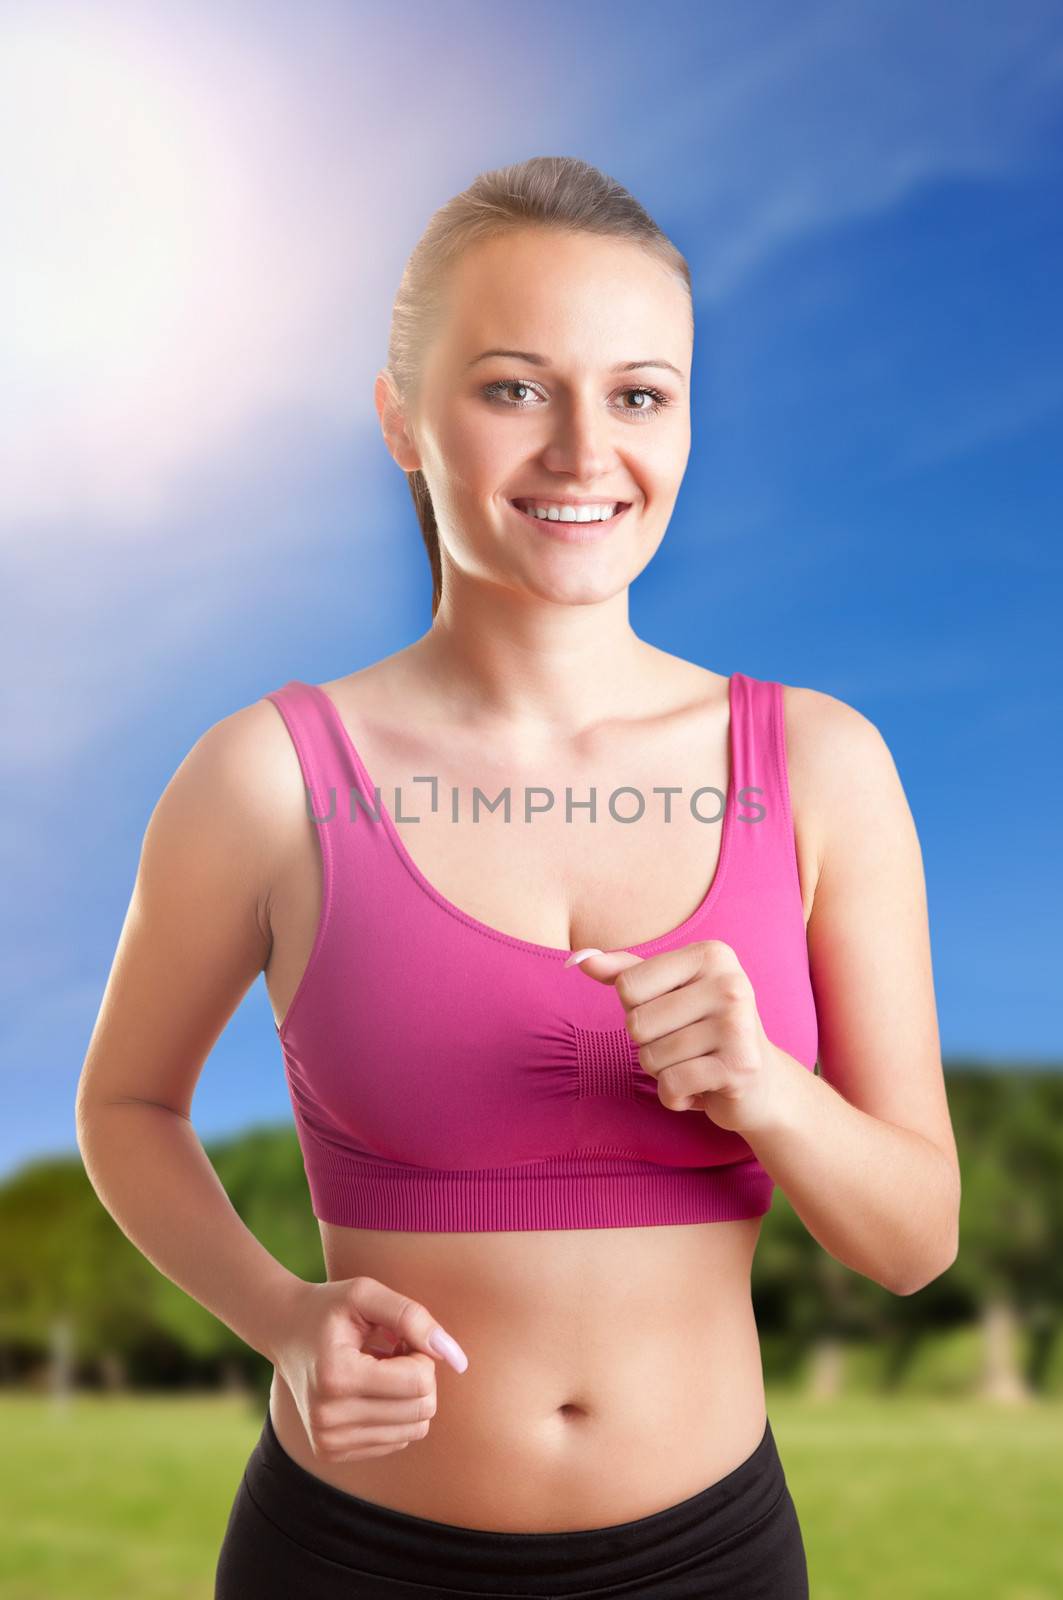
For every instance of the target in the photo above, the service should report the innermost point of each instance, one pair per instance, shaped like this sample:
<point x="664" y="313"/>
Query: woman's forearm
<point x="152" y="1174"/>
<point x="880" y="1199"/>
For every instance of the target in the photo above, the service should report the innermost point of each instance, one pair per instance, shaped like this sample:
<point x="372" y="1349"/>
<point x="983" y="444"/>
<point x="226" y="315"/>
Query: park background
<point x="207" y="210"/>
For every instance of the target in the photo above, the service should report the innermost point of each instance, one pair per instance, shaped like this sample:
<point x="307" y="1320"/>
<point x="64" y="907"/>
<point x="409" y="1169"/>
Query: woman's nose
<point x="580" y="443"/>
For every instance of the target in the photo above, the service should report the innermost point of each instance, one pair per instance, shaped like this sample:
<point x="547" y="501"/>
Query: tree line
<point x="79" y="1304"/>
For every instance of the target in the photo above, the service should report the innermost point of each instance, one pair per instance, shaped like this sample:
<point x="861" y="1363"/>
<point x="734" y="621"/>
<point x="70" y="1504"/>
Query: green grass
<point x="899" y="1499"/>
<point x="909" y="1499"/>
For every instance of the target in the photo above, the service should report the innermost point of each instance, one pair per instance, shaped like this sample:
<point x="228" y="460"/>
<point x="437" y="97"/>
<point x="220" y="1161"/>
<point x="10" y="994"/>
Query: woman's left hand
<point x="694" y="1017"/>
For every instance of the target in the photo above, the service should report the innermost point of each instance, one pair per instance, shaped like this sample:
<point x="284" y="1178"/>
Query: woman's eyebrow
<point x="542" y="361"/>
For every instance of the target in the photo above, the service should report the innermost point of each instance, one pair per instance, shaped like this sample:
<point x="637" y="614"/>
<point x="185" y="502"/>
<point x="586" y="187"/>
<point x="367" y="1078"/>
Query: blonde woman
<point x="555" y="926"/>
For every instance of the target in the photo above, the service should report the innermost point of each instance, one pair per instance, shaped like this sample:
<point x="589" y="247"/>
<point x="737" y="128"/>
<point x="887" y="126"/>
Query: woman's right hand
<point x="357" y="1359"/>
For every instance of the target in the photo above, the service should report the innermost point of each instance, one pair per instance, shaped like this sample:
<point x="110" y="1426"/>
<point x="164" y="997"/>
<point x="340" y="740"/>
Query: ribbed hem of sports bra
<point x="580" y="1191"/>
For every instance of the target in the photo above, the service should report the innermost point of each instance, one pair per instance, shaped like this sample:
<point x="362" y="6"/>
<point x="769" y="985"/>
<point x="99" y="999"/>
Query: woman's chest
<point x="440" y="1025"/>
<point x="607" y="847"/>
<point x="433" y="1032"/>
<point x="614" y="843"/>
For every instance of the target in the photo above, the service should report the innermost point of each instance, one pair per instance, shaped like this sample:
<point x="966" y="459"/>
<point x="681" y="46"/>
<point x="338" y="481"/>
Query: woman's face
<point x="559" y="422"/>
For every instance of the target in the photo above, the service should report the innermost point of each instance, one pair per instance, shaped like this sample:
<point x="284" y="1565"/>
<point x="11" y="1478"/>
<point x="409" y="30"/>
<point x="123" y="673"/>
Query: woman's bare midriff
<point x="612" y="1371"/>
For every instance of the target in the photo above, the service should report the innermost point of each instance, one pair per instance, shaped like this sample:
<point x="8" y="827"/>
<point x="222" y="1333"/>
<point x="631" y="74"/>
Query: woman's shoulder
<point x="227" y="815"/>
<point x="824" y="732"/>
<point x="231" y="757"/>
<point x="243" y="771"/>
<point x="831" y="747"/>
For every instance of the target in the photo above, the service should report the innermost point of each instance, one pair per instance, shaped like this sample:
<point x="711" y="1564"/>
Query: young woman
<point x="559" y="1166"/>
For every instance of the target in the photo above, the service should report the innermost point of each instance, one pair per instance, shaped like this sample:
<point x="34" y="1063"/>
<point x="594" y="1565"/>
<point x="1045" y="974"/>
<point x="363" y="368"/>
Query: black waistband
<point x="394" y="1544"/>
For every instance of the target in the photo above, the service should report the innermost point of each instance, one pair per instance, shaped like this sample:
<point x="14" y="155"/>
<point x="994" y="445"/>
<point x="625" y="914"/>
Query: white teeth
<point x="600" y="513"/>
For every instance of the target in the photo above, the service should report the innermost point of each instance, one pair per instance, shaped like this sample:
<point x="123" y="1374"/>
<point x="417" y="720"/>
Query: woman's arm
<point x="865" y="1154"/>
<point x="195" y="937"/>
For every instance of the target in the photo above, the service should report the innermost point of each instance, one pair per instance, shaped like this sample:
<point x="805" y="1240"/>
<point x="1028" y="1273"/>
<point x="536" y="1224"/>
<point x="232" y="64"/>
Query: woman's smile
<point x="564" y="527"/>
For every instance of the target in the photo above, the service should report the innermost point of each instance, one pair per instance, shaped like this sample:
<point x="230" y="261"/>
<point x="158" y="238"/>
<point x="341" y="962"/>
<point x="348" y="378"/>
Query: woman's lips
<point x="573" y="532"/>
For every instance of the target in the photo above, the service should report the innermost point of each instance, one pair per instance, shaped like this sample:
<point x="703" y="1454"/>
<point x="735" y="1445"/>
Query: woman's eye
<point x="657" y="400"/>
<point x="497" y="391"/>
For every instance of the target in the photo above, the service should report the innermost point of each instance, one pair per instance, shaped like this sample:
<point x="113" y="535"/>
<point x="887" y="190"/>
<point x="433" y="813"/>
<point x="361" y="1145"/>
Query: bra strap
<point x="321" y="756"/>
<point x="762" y="786"/>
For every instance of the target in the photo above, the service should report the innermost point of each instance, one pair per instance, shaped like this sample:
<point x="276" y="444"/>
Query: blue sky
<point x="207" y="212"/>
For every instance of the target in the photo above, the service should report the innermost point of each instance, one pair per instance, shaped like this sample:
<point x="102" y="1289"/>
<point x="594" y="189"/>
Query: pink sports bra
<point x="447" y="1077"/>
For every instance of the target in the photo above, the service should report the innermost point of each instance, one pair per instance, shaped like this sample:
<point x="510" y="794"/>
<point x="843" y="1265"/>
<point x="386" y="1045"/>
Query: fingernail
<point x="581" y="955"/>
<point x="448" y="1348"/>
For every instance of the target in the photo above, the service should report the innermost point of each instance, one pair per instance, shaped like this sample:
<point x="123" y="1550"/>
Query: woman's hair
<point x="552" y="191"/>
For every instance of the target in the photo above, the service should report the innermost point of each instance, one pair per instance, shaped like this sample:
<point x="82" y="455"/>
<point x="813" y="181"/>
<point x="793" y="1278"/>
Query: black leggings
<point x="292" y="1536"/>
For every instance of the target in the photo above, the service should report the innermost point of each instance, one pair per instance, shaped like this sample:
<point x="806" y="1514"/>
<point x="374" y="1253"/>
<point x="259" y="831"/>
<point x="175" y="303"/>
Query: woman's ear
<point x="393" y="424"/>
